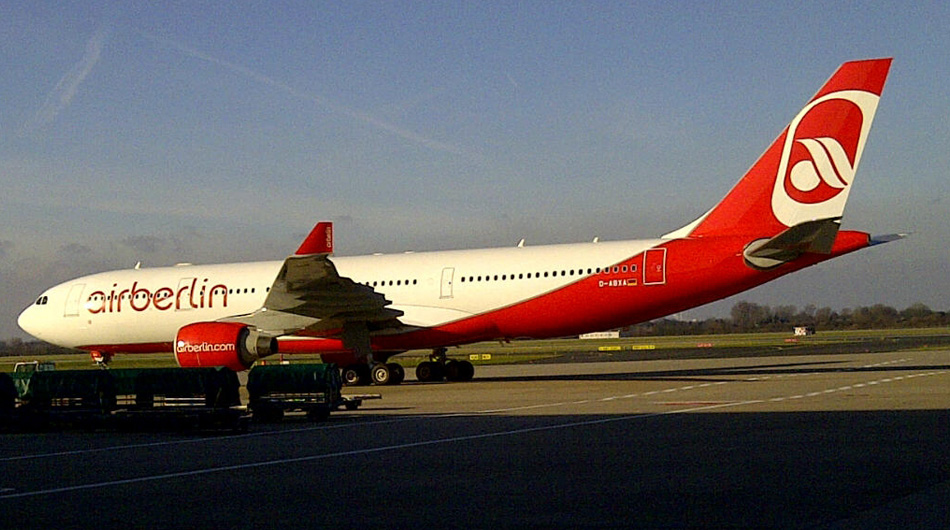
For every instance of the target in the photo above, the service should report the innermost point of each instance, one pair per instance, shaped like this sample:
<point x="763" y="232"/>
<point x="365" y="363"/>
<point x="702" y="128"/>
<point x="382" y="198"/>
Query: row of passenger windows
<point x="549" y="274"/>
<point x="390" y="283"/>
<point x="617" y="269"/>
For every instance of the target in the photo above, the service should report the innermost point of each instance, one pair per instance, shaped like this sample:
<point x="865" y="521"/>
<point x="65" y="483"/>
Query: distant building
<point x="601" y="335"/>
<point x="801" y="331"/>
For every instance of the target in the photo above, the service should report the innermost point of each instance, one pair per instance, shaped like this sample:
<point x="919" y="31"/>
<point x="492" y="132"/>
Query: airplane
<point x="782" y="216"/>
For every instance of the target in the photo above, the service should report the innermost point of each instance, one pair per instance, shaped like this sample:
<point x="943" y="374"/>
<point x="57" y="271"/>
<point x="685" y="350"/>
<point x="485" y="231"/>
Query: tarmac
<point x="852" y="440"/>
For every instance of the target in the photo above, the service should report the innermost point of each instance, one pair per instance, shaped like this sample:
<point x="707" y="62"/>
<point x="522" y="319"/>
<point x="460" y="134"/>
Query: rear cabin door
<point x="654" y="267"/>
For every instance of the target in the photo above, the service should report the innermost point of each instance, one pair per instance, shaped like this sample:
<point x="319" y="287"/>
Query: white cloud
<point x="58" y="99"/>
<point x="355" y="114"/>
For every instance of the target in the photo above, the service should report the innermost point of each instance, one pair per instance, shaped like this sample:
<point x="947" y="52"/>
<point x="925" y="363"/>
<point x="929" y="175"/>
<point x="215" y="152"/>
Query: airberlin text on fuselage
<point x="188" y="296"/>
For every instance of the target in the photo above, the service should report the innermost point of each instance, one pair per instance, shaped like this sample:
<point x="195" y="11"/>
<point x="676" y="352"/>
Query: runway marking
<point x="690" y="403"/>
<point x="361" y="452"/>
<point x="76" y="452"/>
<point x="885" y="363"/>
<point x="481" y="412"/>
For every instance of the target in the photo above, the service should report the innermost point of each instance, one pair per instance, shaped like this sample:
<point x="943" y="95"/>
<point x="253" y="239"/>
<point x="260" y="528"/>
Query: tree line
<point x="749" y="317"/>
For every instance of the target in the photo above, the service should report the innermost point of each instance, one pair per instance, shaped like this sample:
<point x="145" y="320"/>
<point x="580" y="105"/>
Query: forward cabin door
<point x="184" y="296"/>
<point x="73" y="300"/>
<point x="447" y="274"/>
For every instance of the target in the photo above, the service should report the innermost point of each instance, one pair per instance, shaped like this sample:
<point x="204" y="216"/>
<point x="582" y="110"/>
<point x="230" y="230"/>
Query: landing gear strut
<point x="439" y="367"/>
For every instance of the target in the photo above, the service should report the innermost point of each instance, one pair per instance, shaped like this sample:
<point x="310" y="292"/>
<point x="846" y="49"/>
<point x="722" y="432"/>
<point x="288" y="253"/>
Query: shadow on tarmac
<point x="724" y="469"/>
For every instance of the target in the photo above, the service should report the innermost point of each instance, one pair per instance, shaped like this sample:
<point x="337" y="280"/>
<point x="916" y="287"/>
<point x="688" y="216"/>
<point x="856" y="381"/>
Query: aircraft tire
<point x="399" y="374"/>
<point x="428" y="371"/>
<point x="356" y="375"/>
<point x="466" y="371"/>
<point x="382" y="374"/>
<point x="451" y="370"/>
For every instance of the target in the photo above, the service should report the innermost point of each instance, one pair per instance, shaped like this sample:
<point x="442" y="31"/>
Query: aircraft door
<point x="447" y="274"/>
<point x="654" y="267"/>
<point x="184" y="296"/>
<point x="73" y="300"/>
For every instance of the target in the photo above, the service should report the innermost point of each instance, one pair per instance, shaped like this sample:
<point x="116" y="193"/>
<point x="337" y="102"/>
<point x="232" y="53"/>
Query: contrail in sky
<point x="315" y="98"/>
<point x="58" y="99"/>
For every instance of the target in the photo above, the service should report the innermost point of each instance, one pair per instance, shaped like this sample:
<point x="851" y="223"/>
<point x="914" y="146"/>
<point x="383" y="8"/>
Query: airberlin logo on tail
<point x="820" y="156"/>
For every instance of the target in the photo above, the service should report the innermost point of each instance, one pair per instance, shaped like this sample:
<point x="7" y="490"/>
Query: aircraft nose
<point x="28" y="321"/>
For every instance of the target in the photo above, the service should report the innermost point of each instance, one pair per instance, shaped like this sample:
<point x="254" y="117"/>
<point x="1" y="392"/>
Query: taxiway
<point x="839" y="441"/>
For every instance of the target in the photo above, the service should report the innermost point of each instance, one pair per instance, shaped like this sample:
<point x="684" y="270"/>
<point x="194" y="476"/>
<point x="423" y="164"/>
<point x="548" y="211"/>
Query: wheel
<point x="466" y="371"/>
<point x="429" y="371"/>
<point x="356" y="375"/>
<point x="451" y="370"/>
<point x="398" y="373"/>
<point x="382" y="375"/>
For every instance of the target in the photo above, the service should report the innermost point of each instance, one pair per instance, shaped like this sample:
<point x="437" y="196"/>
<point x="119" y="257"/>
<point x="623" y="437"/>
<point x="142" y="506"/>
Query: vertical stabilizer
<point x="806" y="174"/>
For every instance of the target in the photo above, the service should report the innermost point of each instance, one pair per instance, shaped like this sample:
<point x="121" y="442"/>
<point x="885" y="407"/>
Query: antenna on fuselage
<point x="138" y="265"/>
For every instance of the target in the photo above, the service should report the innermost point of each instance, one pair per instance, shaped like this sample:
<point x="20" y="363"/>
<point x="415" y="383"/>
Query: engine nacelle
<point x="229" y="344"/>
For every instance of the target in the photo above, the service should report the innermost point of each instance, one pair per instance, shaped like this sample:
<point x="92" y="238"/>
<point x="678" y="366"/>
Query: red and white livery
<point x="782" y="216"/>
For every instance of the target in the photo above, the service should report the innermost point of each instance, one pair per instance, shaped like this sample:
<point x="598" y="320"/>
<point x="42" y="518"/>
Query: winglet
<point x="320" y="240"/>
<point x="880" y="240"/>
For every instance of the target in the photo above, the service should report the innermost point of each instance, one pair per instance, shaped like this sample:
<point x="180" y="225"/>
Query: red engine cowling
<point x="229" y="344"/>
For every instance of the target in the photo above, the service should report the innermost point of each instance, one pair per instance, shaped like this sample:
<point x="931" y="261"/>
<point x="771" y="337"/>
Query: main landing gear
<point x="377" y="374"/>
<point x="438" y="367"/>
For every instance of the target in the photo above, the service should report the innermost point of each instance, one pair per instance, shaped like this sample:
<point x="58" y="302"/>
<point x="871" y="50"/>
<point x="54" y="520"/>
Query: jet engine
<point x="229" y="344"/>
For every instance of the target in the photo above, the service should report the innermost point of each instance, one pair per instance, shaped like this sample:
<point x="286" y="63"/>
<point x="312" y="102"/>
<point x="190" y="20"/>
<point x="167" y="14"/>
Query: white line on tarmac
<point x="360" y="452"/>
<point x="201" y="440"/>
<point x="453" y="414"/>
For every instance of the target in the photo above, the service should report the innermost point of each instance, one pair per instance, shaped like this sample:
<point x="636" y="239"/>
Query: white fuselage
<point x="150" y="305"/>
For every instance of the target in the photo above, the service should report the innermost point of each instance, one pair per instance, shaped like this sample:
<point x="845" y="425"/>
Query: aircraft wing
<point x="310" y="297"/>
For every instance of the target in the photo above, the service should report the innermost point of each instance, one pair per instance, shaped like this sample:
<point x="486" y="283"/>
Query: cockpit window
<point x="43" y="300"/>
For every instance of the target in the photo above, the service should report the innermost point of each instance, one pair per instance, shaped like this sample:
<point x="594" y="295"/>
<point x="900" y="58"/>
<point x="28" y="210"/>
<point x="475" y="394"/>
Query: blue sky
<point x="214" y="132"/>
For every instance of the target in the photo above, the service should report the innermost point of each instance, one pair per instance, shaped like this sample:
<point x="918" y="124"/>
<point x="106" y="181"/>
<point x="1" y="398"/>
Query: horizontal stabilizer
<point x="811" y="236"/>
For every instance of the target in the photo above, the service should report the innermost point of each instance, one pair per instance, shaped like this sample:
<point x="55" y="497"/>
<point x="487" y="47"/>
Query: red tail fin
<point x="807" y="172"/>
